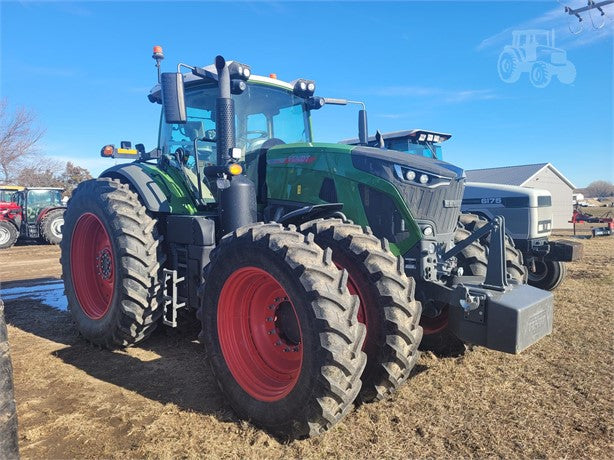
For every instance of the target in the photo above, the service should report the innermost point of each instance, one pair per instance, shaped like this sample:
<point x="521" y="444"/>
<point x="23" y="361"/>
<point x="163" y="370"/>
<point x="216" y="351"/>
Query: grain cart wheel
<point x="51" y="226"/>
<point x="516" y="270"/>
<point x="547" y="274"/>
<point x="387" y="305"/>
<point x="111" y="255"/>
<point x="8" y="412"/>
<point x="281" y="330"/>
<point x="8" y="234"/>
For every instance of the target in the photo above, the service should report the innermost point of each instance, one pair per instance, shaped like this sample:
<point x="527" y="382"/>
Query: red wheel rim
<point x="92" y="266"/>
<point x="434" y="324"/>
<point x="259" y="334"/>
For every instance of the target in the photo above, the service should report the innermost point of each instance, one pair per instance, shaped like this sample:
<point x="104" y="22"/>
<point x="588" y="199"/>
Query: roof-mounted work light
<point x="239" y="71"/>
<point x="304" y="88"/>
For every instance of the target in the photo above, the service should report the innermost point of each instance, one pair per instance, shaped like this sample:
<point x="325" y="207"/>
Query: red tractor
<point x="36" y="212"/>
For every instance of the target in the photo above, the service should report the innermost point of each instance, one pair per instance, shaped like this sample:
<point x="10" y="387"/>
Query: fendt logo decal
<point x="292" y="159"/>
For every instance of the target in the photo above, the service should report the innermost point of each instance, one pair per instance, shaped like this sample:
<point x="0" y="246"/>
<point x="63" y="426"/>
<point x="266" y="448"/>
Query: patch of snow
<point x="50" y="293"/>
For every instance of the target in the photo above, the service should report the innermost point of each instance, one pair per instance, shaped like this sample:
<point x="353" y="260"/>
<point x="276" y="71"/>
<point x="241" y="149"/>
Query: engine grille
<point x="441" y="205"/>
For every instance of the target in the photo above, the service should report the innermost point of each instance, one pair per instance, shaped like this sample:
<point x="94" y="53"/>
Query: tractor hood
<point x="362" y="154"/>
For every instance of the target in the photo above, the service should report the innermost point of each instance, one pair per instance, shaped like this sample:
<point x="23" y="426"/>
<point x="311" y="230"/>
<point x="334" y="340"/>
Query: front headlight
<point x="420" y="178"/>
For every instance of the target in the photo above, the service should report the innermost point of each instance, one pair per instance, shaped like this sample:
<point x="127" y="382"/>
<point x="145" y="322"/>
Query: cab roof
<point x="412" y="134"/>
<point x="189" y="79"/>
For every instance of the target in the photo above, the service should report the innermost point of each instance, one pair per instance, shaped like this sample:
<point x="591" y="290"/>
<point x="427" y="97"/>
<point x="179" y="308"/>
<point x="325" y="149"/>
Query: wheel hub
<point x="286" y="325"/>
<point x="103" y="264"/>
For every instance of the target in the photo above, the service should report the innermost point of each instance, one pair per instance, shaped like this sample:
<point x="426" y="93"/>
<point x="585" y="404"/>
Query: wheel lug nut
<point x="269" y="319"/>
<point x="278" y="343"/>
<point x="295" y="349"/>
<point x="286" y="350"/>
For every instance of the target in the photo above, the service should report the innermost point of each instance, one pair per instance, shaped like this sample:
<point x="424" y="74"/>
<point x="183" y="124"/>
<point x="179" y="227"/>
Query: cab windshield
<point x="423" y="149"/>
<point x="41" y="199"/>
<point x="262" y="113"/>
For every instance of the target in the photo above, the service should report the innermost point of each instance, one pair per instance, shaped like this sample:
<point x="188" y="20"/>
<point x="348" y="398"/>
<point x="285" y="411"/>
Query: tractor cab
<point x="35" y="212"/>
<point x="36" y="203"/>
<point x="268" y="112"/>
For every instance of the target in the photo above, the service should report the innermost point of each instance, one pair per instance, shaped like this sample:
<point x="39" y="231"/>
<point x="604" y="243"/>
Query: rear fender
<point x="149" y="191"/>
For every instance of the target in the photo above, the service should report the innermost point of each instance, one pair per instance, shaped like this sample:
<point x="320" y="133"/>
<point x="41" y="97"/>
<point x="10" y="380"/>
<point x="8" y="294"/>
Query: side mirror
<point x="363" y="130"/>
<point x="173" y="100"/>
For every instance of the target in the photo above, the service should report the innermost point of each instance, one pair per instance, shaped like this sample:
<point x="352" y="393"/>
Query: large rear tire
<point x="548" y="274"/>
<point x="387" y="305"/>
<point x="281" y="330"/>
<point x="111" y="256"/>
<point x="8" y="234"/>
<point x="51" y="226"/>
<point x="8" y="413"/>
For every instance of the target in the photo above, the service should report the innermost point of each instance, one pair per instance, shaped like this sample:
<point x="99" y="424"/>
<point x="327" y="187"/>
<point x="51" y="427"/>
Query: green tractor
<point x="240" y="216"/>
<point x="287" y="338"/>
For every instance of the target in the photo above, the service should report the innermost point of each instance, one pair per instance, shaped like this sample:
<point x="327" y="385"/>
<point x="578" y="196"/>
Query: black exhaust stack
<point x="237" y="196"/>
<point x="225" y="114"/>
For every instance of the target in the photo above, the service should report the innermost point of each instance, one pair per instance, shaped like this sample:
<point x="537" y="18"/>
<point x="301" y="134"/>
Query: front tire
<point x="387" y="305"/>
<point x="51" y="226"/>
<point x="8" y="234"/>
<point x="548" y="274"/>
<point x="281" y="331"/>
<point x="111" y="256"/>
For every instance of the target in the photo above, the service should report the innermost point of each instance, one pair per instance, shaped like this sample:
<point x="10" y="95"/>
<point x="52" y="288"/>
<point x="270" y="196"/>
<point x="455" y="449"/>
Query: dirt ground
<point x="157" y="400"/>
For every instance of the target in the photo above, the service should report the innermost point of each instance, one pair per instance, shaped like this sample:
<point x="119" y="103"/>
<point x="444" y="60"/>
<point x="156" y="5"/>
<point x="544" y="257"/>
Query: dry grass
<point x="554" y="400"/>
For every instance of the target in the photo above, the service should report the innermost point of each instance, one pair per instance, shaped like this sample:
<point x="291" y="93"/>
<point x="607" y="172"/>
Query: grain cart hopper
<point x="288" y="341"/>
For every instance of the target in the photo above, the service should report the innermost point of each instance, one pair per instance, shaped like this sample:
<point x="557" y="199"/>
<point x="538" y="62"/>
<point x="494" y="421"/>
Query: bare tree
<point x="73" y="176"/>
<point x="18" y="139"/>
<point x="600" y="189"/>
<point x="45" y="172"/>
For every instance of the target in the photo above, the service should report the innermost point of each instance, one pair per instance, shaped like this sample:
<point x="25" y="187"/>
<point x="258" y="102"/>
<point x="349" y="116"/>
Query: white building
<point x="542" y="175"/>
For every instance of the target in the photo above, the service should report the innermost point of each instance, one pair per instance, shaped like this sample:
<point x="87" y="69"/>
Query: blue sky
<point x="85" y="68"/>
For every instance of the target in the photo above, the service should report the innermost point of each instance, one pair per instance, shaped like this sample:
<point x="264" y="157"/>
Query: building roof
<point x="513" y="175"/>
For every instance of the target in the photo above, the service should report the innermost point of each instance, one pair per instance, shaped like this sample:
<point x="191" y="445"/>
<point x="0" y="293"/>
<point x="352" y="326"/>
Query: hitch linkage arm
<point x="496" y="273"/>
